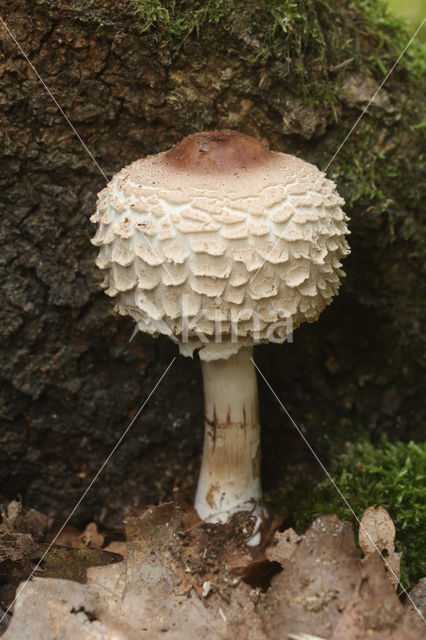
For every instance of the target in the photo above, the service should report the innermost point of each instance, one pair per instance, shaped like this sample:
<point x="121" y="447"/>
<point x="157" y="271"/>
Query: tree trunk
<point x="297" y="79"/>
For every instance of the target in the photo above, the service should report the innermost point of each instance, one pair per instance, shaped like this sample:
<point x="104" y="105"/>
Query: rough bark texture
<point x="70" y="380"/>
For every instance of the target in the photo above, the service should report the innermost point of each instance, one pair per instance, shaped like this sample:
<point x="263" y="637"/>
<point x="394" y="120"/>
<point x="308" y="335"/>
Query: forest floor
<point x="170" y="575"/>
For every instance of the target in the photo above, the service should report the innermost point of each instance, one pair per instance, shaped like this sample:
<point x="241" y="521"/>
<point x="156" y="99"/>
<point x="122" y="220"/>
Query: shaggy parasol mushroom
<point x="221" y="244"/>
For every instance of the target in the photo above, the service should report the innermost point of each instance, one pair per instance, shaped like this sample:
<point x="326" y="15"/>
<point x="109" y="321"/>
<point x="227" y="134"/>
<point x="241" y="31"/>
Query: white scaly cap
<point x="220" y="232"/>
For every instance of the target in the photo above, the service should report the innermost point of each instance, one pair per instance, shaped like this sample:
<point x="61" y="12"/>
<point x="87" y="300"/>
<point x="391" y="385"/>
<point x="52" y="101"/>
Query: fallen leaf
<point x="377" y="535"/>
<point x="28" y="521"/>
<point x="72" y="537"/>
<point x="303" y="636"/>
<point x="326" y="590"/>
<point x="13" y="510"/>
<point x="91" y="536"/>
<point x="374" y="611"/>
<point x="117" y="546"/>
<point x="15" y="546"/>
<point x="282" y="546"/>
<point x="417" y="599"/>
<point x="67" y="537"/>
<point x="176" y="581"/>
<point x="69" y="563"/>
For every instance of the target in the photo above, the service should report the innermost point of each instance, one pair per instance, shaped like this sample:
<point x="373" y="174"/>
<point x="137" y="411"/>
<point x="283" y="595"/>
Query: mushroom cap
<point x="220" y="243"/>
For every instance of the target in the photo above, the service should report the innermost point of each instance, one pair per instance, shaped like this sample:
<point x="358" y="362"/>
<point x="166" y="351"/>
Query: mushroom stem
<point x="230" y="471"/>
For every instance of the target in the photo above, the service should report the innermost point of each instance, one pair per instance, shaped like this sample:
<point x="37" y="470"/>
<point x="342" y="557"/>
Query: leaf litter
<point x="178" y="578"/>
<point x="377" y="533"/>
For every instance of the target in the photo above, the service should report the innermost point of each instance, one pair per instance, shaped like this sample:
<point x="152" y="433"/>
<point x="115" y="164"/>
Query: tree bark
<point x="70" y="378"/>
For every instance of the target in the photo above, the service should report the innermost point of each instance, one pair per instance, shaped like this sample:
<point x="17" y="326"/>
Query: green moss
<point x="177" y="20"/>
<point x="391" y="475"/>
<point x="411" y="12"/>
<point x="298" y="48"/>
<point x="308" y="37"/>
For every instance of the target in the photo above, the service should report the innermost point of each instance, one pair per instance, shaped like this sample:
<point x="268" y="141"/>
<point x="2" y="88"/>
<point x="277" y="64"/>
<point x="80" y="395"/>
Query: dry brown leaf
<point x="91" y="536"/>
<point x="32" y="522"/>
<point x="67" y="537"/>
<point x="71" y="563"/>
<point x="72" y="537"/>
<point x="176" y="580"/>
<point x="325" y="590"/>
<point x="417" y="598"/>
<point x="117" y="546"/>
<point x="13" y="510"/>
<point x="169" y="562"/>
<point x="16" y="546"/>
<point x="303" y="636"/>
<point x="374" y="611"/>
<point x="316" y="584"/>
<point x="282" y="546"/>
<point x="377" y="534"/>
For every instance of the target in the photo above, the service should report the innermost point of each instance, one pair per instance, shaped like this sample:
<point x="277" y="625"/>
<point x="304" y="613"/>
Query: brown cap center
<point x="217" y="152"/>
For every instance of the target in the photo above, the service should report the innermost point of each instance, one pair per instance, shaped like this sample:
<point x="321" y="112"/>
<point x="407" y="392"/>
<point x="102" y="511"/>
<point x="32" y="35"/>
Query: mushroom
<point x="221" y="244"/>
